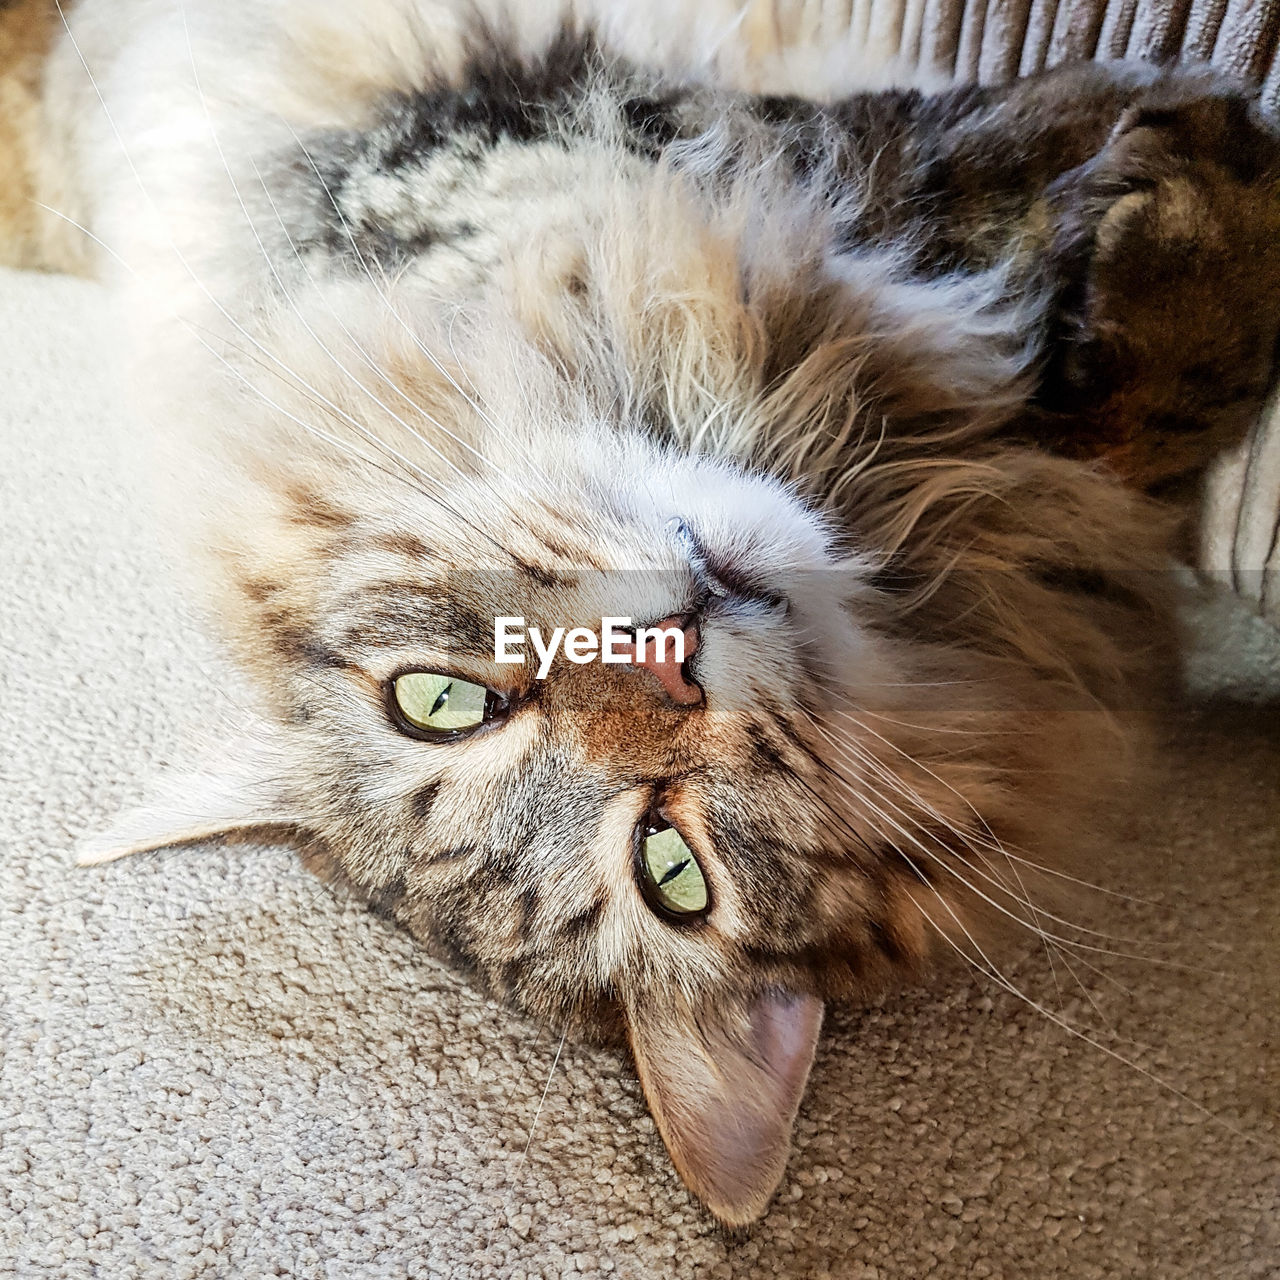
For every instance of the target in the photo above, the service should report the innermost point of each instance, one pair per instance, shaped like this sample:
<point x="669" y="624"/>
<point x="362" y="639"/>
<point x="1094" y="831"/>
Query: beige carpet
<point x="212" y="1068"/>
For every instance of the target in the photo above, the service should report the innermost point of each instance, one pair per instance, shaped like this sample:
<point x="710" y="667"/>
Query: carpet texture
<point x="214" y="1068"/>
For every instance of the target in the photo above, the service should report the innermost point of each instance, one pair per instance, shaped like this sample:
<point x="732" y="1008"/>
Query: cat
<point x="881" y="403"/>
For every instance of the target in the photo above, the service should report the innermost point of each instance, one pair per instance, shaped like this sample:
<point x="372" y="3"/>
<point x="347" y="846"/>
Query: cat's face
<point x="697" y="853"/>
<point x="660" y="845"/>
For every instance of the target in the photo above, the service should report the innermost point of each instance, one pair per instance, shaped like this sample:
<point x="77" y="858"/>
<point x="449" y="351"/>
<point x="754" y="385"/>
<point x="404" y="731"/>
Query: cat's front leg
<point x="1168" y="256"/>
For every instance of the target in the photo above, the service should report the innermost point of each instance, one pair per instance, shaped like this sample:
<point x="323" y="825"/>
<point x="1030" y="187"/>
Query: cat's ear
<point x="724" y="1088"/>
<point x="244" y="788"/>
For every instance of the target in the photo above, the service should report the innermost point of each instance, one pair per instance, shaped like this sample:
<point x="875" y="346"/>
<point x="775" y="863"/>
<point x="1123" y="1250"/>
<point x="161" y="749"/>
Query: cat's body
<point x="476" y="319"/>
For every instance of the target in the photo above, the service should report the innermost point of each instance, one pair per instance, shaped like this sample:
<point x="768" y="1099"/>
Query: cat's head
<point x="700" y="853"/>
<point x="671" y="849"/>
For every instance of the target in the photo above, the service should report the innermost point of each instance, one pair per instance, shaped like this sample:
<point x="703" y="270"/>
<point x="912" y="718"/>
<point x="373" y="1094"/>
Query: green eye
<point x="439" y="704"/>
<point x="670" y="875"/>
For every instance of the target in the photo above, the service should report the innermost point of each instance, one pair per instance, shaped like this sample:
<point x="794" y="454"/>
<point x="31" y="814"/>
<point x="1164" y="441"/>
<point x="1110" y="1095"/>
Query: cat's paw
<point x="1168" y="249"/>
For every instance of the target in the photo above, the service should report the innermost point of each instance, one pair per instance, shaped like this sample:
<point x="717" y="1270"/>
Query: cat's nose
<point x="663" y="649"/>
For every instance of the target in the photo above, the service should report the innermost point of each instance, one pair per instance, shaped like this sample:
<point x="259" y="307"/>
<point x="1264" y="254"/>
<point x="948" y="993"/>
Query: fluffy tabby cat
<point x="470" y="310"/>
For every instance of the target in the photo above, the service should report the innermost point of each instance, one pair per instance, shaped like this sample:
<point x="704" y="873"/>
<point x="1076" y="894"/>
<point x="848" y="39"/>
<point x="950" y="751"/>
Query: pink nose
<point x="661" y="655"/>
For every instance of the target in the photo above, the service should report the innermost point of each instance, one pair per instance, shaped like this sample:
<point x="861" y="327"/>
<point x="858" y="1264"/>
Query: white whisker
<point x="988" y="969"/>
<point x="533" y="1124"/>
<point x="862" y="798"/>
<point x="102" y="244"/>
<point x="994" y="844"/>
